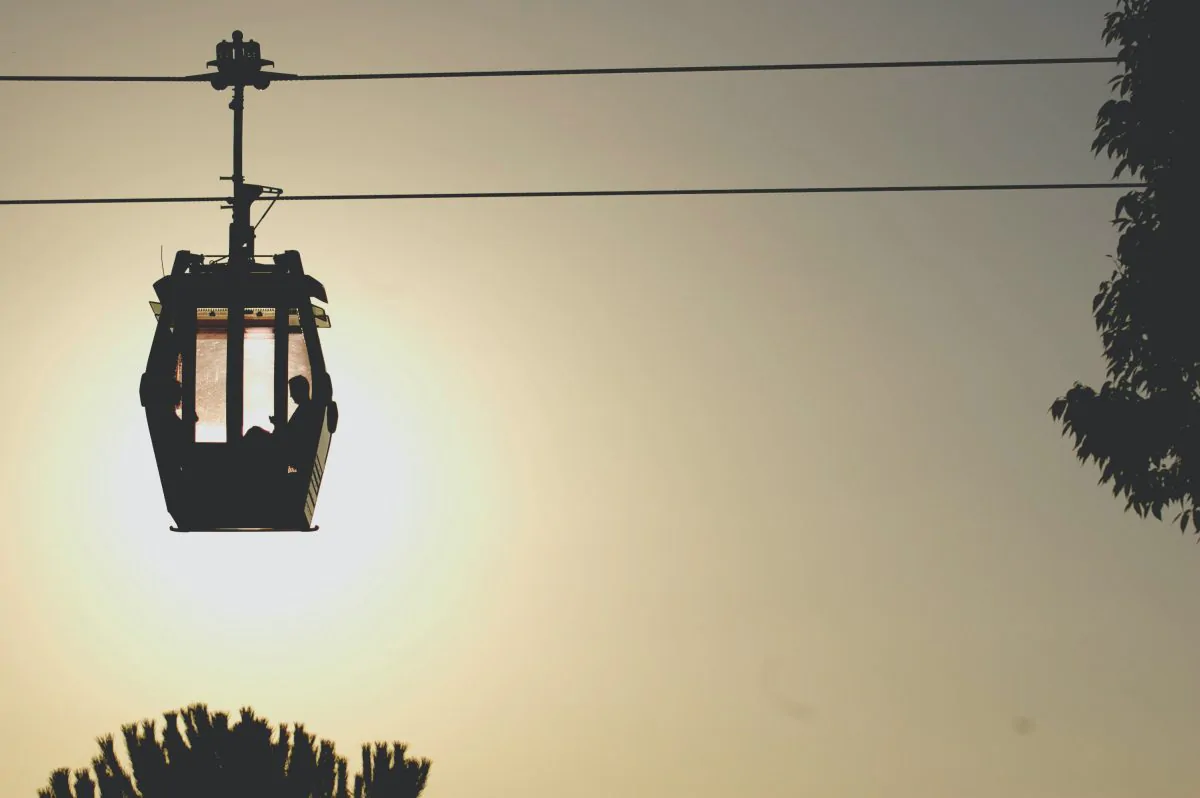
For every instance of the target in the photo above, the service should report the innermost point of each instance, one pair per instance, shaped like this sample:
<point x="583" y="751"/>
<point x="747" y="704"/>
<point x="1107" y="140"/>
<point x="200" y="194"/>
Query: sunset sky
<point x="618" y="481"/>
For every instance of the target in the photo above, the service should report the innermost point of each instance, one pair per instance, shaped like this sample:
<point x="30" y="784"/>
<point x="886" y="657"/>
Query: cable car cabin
<point x="240" y="406"/>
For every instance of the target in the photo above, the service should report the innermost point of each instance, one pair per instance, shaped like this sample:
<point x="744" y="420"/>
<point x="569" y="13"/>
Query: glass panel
<point x="258" y="370"/>
<point x="298" y="364"/>
<point x="179" y="381"/>
<point x="211" y="348"/>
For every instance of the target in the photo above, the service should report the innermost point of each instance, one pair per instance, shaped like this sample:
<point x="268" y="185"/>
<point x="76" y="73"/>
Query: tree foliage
<point x="247" y="760"/>
<point x="1142" y="427"/>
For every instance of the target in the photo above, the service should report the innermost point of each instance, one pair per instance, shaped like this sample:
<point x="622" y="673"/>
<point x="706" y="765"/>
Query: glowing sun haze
<point x="698" y="496"/>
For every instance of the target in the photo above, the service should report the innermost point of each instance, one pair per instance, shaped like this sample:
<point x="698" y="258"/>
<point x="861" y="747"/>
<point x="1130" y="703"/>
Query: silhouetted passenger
<point x="257" y="437"/>
<point x="299" y="432"/>
<point x="305" y="423"/>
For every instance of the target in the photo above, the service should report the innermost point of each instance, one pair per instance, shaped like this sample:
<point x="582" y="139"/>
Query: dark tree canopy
<point x="1142" y="427"/>
<point x="210" y="758"/>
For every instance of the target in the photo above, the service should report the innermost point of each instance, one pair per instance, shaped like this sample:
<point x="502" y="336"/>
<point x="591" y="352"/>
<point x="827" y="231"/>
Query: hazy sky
<point x="615" y="478"/>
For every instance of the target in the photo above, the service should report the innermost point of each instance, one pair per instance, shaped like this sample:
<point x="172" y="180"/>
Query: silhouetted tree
<point x="1142" y="427"/>
<point x="211" y="759"/>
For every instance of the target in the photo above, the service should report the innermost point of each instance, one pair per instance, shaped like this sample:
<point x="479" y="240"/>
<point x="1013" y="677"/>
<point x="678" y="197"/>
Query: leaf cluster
<point x="1142" y="427"/>
<point x="209" y="757"/>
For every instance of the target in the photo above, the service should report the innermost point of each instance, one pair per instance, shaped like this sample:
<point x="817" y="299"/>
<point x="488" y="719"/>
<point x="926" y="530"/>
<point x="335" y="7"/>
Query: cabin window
<point x="298" y="364"/>
<point x="258" y="383"/>
<point x="179" y="382"/>
<point x="211" y="369"/>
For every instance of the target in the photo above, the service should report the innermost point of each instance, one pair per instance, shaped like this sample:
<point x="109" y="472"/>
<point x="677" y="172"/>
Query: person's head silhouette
<point x="299" y="389"/>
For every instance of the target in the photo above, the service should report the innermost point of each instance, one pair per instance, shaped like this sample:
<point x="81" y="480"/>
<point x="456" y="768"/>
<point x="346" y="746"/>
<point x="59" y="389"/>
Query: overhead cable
<point x="613" y="193"/>
<point x="516" y="73"/>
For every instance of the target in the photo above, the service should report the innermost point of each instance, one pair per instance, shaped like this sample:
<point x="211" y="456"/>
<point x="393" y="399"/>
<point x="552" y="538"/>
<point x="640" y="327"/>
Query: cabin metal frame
<point x="237" y="484"/>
